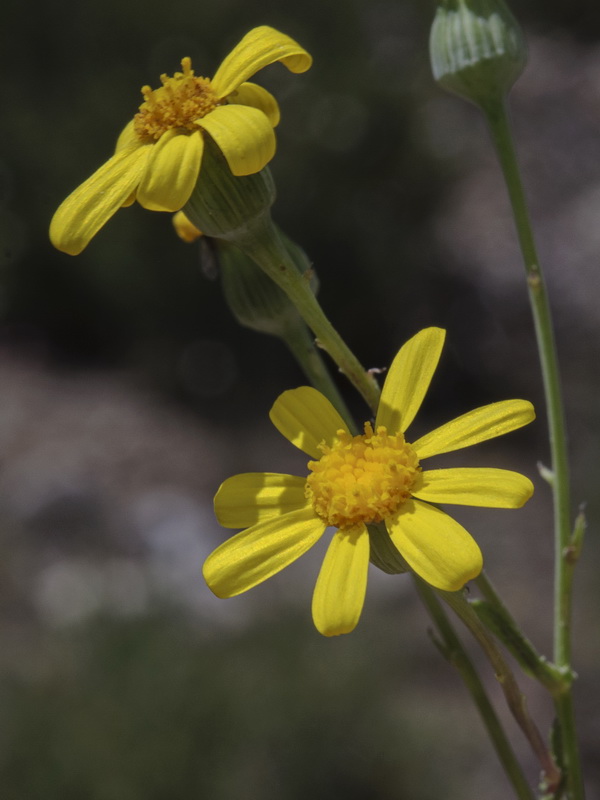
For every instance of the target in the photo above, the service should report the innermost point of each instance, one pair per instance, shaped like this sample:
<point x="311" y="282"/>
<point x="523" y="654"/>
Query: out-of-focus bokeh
<point x="127" y="394"/>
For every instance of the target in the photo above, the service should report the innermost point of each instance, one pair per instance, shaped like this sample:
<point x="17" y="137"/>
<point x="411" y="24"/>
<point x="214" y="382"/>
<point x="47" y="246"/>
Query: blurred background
<point x="128" y="393"/>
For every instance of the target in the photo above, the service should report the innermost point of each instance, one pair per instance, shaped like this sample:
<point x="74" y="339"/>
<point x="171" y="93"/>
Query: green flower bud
<point x="224" y="206"/>
<point x="477" y="49"/>
<point x="255" y="301"/>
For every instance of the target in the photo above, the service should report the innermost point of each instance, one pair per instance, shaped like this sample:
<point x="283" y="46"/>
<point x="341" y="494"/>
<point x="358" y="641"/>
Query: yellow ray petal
<point x="250" y="94"/>
<point x="172" y="171"/>
<point x="252" y="497"/>
<point x="243" y="134"/>
<point x="127" y="138"/>
<point x="252" y="556"/>
<point x="475" y="426"/>
<point x="92" y="204"/>
<point x="306" y="418"/>
<point x="435" y="546"/>
<point x="492" y="488"/>
<point x="339" y="595"/>
<point x="259" y="48"/>
<point x="409" y="378"/>
<point x="129" y="201"/>
<point x="185" y="228"/>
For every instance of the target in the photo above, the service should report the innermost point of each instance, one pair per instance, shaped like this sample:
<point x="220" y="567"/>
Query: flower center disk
<point x="362" y="479"/>
<point x="178" y="103"/>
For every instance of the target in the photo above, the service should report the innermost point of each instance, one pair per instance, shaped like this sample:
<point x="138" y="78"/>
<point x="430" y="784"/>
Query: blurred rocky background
<point x="127" y="394"/>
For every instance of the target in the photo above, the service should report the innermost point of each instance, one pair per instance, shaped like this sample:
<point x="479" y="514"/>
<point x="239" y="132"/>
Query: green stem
<point x="500" y="127"/>
<point x="498" y="619"/>
<point x="498" y="120"/>
<point x="514" y="697"/>
<point x="301" y="345"/>
<point x="265" y="247"/>
<point x="454" y="652"/>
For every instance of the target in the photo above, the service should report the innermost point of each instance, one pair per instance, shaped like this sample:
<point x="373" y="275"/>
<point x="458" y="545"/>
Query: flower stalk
<point x="551" y="774"/>
<point x="497" y="618"/>
<point x="258" y="303"/>
<point x="266" y="248"/>
<point x="478" y="51"/>
<point x="496" y="114"/>
<point x="238" y="210"/>
<point x="302" y="346"/>
<point x="453" y="651"/>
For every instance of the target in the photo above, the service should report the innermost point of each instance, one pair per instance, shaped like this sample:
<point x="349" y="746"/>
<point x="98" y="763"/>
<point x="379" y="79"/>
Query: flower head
<point x="354" y="481"/>
<point x="477" y="49"/>
<point x="159" y="153"/>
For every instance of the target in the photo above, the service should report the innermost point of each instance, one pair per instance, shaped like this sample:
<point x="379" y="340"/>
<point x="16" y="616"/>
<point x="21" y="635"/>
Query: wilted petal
<point x="92" y="204"/>
<point x="250" y="94"/>
<point x="127" y="138"/>
<point x="243" y="134"/>
<point x="172" y="171"/>
<point x="260" y="47"/>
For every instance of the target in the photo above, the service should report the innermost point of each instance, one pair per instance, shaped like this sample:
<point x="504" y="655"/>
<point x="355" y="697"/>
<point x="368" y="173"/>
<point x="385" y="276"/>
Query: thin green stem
<point x="495" y="615"/>
<point x="454" y="652"/>
<point x="514" y="697"/>
<point x="498" y="120"/>
<point x="265" y="247"/>
<point x="499" y="124"/>
<point x="301" y="344"/>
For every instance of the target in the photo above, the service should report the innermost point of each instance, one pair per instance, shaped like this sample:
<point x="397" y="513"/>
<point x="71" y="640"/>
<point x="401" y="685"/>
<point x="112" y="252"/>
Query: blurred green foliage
<point x="156" y="708"/>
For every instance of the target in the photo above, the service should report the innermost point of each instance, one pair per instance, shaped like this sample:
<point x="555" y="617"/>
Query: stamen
<point x="179" y="103"/>
<point x="362" y="479"/>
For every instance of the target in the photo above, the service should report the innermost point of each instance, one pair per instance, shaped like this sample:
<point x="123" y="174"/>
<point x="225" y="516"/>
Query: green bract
<point x="254" y="299"/>
<point x="226" y="206"/>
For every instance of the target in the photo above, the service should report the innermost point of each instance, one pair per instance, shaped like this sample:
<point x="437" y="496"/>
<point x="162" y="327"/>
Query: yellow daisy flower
<point x="159" y="153"/>
<point x="357" y="480"/>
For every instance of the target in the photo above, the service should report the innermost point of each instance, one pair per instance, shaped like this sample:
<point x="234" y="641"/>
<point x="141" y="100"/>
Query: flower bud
<point x="477" y="49"/>
<point x="255" y="301"/>
<point x="225" y="206"/>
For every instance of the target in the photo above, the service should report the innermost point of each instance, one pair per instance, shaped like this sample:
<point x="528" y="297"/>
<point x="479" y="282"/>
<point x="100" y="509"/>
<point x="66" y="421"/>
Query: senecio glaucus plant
<point x="200" y="147"/>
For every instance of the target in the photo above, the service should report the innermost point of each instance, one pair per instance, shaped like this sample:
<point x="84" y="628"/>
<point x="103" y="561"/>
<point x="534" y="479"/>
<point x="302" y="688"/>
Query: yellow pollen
<point x="178" y="103"/>
<point x="361" y="479"/>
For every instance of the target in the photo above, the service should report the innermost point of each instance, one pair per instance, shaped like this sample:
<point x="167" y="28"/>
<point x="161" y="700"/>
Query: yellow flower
<point x="357" y="480"/>
<point x="159" y="153"/>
